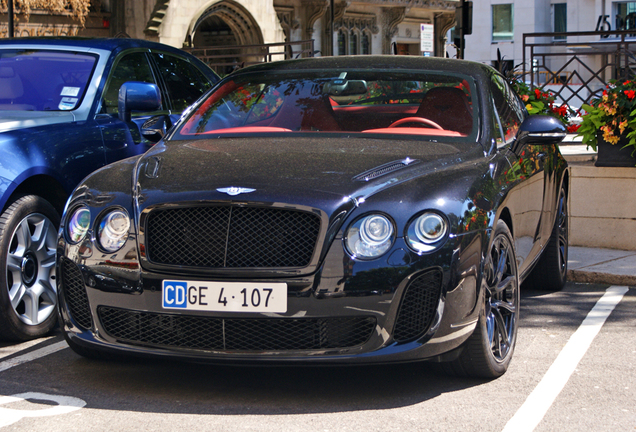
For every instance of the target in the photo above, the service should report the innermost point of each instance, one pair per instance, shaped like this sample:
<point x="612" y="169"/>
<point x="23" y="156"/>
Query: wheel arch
<point x="44" y="186"/>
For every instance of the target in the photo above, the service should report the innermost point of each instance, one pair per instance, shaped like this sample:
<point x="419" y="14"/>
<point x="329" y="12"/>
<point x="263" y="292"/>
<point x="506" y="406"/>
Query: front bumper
<point x="403" y="307"/>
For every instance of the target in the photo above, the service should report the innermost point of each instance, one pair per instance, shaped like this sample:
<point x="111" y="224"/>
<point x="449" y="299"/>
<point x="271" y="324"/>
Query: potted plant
<point x="609" y="124"/>
<point x="541" y="102"/>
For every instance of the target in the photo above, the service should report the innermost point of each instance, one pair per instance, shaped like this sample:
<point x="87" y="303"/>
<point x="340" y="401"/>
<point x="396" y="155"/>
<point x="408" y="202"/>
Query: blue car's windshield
<point x="43" y="80"/>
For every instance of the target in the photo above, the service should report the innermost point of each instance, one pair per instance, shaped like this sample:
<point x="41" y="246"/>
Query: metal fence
<point x="224" y="59"/>
<point x="577" y="66"/>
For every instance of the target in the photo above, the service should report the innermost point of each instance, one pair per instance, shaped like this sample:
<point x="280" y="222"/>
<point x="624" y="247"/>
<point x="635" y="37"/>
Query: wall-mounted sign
<point x="427" y="38"/>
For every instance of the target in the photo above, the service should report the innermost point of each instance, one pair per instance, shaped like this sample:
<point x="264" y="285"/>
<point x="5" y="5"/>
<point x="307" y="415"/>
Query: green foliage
<point x="613" y="114"/>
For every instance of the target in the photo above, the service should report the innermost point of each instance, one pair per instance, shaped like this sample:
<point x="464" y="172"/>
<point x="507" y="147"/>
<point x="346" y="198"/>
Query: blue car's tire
<point x="28" y="293"/>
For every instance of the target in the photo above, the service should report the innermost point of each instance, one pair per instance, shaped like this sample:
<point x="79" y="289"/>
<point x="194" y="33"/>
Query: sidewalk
<point x="604" y="266"/>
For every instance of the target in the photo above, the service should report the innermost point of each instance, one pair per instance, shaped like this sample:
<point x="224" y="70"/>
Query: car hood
<point x="316" y="172"/>
<point x="12" y="120"/>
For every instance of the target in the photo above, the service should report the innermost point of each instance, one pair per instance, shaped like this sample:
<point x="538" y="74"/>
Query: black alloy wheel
<point x="487" y="353"/>
<point x="550" y="273"/>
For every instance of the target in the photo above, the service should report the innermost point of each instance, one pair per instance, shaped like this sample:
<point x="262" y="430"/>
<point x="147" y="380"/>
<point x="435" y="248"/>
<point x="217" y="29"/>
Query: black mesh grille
<point x="257" y="334"/>
<point x="232" y="237"/>
<point x="419" y="303"/>
<point x="75" y="294"/>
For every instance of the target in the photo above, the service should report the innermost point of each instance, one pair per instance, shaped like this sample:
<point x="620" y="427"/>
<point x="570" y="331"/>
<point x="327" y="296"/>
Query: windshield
<point x="41" y="80"/>
<point x="429" y="104"/>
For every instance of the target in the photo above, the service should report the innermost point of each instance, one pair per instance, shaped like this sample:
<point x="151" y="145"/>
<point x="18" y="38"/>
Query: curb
<point x="600" y="278"/>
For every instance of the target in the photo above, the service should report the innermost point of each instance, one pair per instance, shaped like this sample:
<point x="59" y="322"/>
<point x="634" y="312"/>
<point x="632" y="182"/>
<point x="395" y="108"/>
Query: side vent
<point x="75" y="294"/>
<point x="384" y="169"/>
<point x="418" y="307"/>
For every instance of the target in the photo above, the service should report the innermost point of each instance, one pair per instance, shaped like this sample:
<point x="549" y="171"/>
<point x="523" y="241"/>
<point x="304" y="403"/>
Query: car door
<point x="179" y="81"/>
<point x="183" y="82"/>
<point x="123" y="140"/>
<point x="526" y="171"/>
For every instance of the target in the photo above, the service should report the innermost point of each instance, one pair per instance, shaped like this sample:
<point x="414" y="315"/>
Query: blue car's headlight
<point x="78" y="224"/>
<point x="370" y="236"/>
<point x="426" y="232"/>
<point x="112" y="231"/>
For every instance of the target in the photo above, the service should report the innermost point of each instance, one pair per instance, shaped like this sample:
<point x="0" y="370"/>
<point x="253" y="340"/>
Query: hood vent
<point x="384" y="169"/>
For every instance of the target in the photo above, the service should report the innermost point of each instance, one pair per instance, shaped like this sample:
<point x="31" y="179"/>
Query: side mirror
<point x="156" y="127"/>
<point x="137" y="96"/>
<point x="541" y="130"/>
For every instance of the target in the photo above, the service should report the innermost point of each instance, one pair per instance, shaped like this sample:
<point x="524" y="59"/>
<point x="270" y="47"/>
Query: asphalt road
<point x="569" y="373"/>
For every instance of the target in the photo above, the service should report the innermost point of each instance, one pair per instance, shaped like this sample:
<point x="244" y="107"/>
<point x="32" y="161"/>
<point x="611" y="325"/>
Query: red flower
<point x="573" y="128"/>
<point x="538" y="93"/>
<point x="631" y="94"/>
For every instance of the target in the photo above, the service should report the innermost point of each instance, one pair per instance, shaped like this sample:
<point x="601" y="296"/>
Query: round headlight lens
<point x="113" y="230"/>
<point x="426" y="230"/>
<point x="370" y="236"/>
<point x="78" y="224"/>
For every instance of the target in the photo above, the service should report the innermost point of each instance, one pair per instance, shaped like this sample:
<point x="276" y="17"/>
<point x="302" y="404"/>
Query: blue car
<point x="68" y="107"/>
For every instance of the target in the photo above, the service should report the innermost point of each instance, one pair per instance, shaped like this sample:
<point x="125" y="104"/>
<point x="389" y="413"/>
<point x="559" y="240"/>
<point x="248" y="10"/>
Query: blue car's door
<point x="179" y="81"/>
<point x="123" y="140"/>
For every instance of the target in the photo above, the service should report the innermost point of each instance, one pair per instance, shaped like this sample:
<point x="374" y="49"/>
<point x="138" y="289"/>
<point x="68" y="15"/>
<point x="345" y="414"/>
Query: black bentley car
<point x="327" y="210"/>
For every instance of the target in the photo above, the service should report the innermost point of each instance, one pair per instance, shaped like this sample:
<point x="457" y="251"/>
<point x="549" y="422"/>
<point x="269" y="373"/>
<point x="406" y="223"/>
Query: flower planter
<point x="614" y="155"/>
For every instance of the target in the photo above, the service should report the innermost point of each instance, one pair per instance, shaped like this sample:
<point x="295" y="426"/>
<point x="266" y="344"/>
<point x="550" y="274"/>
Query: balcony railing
<point x="577" y="66"/>
<point x="224" y="59"/>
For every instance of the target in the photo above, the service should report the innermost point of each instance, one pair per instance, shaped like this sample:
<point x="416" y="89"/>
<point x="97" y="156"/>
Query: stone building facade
<point x="360" y="27"/>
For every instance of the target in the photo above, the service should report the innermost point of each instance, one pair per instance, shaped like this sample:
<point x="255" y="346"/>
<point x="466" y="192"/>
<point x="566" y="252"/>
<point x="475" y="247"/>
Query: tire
<point x="488" y="351"/>
<point x="550" y="273"/>
<point x="28" y="293"/>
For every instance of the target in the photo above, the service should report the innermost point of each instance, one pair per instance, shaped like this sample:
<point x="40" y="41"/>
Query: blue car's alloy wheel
<point x="28" y="235"/>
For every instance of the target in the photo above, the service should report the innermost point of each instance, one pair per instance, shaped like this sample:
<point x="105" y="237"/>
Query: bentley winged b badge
<point x="235" y="190"/>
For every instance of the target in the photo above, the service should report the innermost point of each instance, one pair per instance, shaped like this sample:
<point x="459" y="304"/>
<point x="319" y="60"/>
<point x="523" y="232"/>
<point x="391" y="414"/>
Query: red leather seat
<point x="448" y="107"/>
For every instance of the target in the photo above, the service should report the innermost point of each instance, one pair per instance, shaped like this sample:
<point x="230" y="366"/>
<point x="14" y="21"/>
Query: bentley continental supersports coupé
<point x="327" y="210"/>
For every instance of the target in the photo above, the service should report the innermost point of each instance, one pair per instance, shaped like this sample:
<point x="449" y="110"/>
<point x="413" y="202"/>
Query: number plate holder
<point x="224" y="296"/>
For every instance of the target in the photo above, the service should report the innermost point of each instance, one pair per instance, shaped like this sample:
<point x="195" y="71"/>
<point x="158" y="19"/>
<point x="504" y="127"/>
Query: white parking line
<point x="542" y="397"/>
<point x="12" y="349"/>
<point x="33" y="355"/>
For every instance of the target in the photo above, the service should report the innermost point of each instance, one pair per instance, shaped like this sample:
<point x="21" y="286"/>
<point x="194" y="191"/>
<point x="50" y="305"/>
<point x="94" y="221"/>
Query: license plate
<point x="224" y="296"/>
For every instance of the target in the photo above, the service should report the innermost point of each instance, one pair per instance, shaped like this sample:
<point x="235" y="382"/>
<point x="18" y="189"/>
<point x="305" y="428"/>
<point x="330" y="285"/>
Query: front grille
<point x="231" y="237"/>
<point x="418" y="307"/>
<point x="250" y="334"/>
<point x="75" y="294"/>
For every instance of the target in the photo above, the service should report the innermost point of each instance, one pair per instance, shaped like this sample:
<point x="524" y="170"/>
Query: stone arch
<point x="233" y="22"/>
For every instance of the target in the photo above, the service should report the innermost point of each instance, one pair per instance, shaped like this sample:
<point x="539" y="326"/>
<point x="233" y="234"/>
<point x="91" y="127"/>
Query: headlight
<point x="426" y="231"/>
<point x="370" y="236"/>
<point x="78" y="224"/>
<point x="113" y="230"/>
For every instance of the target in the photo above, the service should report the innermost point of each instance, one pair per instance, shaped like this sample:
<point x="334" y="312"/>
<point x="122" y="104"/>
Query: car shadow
<point x="193" y="388"/>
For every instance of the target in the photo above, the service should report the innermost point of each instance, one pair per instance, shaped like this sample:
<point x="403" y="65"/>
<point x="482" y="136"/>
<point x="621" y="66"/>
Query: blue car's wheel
<point x="28" y="237"/>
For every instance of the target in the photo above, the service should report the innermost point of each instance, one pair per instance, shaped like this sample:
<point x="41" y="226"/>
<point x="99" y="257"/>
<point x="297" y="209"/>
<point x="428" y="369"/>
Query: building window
<point x="365" y="45"/>
<point x="342" y="43"/>
<point x="502" y="18"/>
<point x="353" y="43"/>
<point x="559" y="20"/>
<point x="625" y="15"/>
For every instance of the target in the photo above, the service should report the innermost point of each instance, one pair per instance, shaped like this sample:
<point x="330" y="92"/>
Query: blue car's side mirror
<point x="137" y="96"/>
